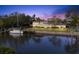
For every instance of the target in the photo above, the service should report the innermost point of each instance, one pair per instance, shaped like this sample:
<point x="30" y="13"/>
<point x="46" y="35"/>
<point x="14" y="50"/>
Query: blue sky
<point x="39" y="10"/>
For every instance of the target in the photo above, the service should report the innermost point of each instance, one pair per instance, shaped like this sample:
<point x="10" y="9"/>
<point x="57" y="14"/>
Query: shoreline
<point x="58" y="33"/>
<point x="53" y="33"/>
<point x="48" y="32"/>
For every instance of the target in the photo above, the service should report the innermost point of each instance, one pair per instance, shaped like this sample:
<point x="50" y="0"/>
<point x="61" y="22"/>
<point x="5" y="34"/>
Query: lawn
<point x="48" y="29"/>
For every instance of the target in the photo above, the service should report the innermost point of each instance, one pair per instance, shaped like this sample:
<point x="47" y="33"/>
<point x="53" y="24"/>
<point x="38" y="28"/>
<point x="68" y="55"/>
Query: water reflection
<point x="35" y="43"/>
<point x="16" y="35"/>
<point x="36" y="39"/>
<point x="73" y="48"/>
<point x="55" y="41"/>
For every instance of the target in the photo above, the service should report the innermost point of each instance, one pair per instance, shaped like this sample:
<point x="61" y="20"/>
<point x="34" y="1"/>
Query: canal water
<point x="40" y="44"/>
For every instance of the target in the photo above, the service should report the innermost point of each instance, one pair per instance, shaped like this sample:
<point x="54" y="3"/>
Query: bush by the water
<point x="5" y="50"/>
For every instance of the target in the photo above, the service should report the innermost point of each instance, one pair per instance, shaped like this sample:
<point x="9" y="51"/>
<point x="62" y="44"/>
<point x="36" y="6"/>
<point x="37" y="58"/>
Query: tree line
<point x="73" y="14"/>
<point x="8" y="21"/>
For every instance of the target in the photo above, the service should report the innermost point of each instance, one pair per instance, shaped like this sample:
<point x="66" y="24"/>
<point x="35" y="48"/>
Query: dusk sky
<point x="42" y="11"/>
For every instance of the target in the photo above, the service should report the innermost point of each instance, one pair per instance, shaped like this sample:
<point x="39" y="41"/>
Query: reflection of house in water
<point x="45" y="24"/>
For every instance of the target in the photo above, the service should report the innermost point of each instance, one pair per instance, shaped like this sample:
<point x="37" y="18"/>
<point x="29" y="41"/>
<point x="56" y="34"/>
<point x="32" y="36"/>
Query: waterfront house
<point x="45" y="24"/>
<point x="68" y="22"/>
<point x="69" y="19"/>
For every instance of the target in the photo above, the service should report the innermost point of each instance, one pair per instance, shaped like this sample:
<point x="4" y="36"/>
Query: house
<point x="69" y="19"/>
<point x="68" y="22"/>
<point x="45" y="24"/>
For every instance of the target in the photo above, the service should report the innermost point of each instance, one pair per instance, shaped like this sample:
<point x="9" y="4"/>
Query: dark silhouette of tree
<point x="73" y="48"/>
<point x="73" y="14"/>
<point x="11" y="20"/>
<point x="33" y="17"/>
<point x="55" y="20"/>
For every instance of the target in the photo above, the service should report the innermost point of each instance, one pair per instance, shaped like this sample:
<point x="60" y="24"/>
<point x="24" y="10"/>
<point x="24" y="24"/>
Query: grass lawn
<point x="48" y="29"/>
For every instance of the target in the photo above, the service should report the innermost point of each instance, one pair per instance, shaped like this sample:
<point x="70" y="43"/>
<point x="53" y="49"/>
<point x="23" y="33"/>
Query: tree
<point x="73" y="13"/>
<point x="1" y="24"/>
<point x="74" y="22"/>
<point x="28" y="20"/>
<point x="33" y="17"/>
<point x="10" y="20"/>
<point x="54" y="20"/>
<point x="68" y="14"/>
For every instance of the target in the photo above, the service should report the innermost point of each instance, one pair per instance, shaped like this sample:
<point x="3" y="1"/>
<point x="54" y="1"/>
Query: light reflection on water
<point x="30" y="43"/>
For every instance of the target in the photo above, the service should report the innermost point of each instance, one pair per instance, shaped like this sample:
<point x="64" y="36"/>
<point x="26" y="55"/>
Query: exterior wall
<point x="68" y="20"/>
<point x="41" y="24"/>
